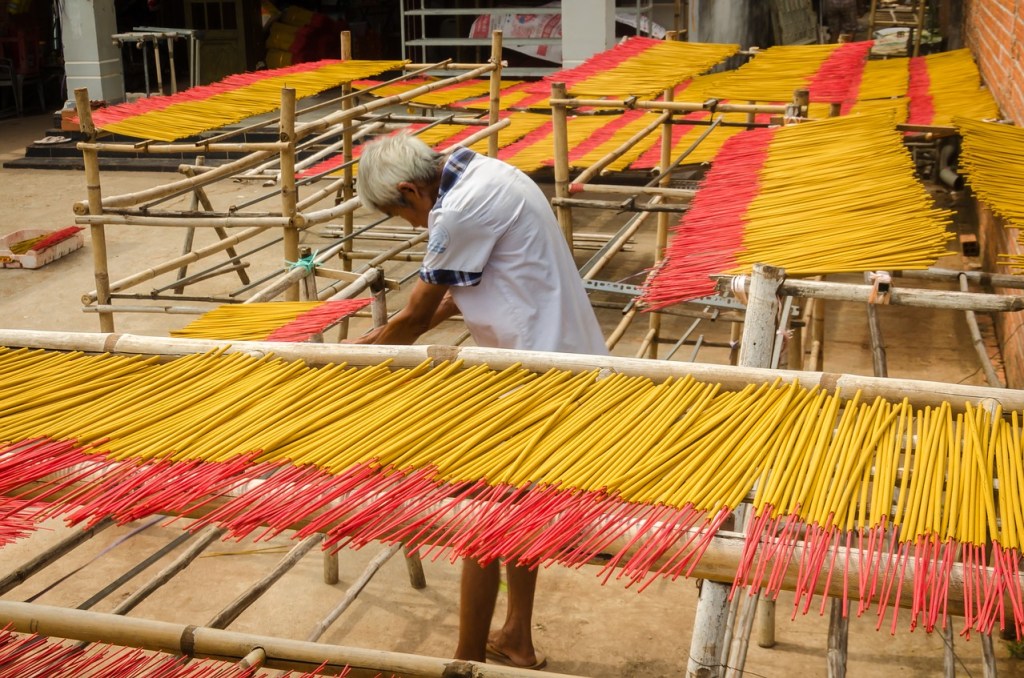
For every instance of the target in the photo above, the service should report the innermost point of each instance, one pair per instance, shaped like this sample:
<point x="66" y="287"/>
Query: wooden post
<point x="878" y="359"/>
<point x="97" y="235"/>
<point x="988" y="656"/>
<point x="170" y="61"/>
<point x="414" y="565"/>
<point x="838" y="635"/>
<point x="289" y="191"/>
<point x="347" y="186"/>
<point x="708" y="631"/>
<point x="560" y="136"/>
<point x="494" y="100"/>
<point x="979" y="343"/>
<point x="661" y="238"/>
<point x="756" y="350"/>
<point x="948" y="655"/>
<point x="379" y="305"/>
<point x="331" y="568"/>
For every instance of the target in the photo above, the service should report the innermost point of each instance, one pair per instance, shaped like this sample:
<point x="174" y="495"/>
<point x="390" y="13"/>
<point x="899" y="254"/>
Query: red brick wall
<point x="995" y="34"/>
<point x="995" y="238"/>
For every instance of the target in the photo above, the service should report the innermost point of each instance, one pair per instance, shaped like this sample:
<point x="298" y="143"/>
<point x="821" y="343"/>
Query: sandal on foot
<point x="495" y="654"/>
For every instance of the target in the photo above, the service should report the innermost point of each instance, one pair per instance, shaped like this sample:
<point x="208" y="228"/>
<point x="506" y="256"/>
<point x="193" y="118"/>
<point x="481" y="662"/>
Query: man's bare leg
<point x="515" y="638"/>
<point x="479" y="592"/>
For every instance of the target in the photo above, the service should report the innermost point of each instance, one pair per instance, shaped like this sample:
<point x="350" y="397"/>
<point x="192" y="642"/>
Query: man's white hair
<point x="389" y="161"/>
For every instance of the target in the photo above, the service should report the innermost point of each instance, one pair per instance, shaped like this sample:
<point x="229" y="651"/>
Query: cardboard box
<point x="32" y="258"/>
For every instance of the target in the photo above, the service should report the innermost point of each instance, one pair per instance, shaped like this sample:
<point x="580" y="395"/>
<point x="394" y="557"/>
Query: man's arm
<point x="427" y="307"/>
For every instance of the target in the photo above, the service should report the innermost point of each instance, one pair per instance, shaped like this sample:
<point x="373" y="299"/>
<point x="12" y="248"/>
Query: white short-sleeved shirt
<point x="495" y="241"/>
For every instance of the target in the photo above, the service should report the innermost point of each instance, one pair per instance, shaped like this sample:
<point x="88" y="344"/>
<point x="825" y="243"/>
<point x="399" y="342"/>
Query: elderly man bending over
<point x="495" y="254"/>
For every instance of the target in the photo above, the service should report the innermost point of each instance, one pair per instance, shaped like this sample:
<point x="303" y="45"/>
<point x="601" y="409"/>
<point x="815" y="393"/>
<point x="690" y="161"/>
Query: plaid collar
<point x="453" y="170"/>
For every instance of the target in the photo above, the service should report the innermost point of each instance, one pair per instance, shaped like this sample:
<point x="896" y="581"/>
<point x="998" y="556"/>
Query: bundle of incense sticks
<point x="560" y="467"/>
<point x="837" y="195"/>
<point x="234" y="98"/>
<point x="271" y="321"/>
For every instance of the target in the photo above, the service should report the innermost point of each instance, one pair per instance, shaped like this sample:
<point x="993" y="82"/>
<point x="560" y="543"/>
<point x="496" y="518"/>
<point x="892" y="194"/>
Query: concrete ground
<point x="584" y="627"/>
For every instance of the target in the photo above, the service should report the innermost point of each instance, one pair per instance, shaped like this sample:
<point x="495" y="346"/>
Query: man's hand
<point x="424" y="311"/>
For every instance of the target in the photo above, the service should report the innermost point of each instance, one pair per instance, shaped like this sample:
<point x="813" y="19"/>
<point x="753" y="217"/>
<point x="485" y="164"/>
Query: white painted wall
<point x="90" y="57"/>
<point x="588" y="27"/>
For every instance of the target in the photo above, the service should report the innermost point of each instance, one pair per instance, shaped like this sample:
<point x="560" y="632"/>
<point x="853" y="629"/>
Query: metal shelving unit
<point x="417" y="39"/>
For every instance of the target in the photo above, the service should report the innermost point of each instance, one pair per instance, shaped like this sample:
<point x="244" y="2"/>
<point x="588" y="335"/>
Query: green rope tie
<point x="307" y="262"/>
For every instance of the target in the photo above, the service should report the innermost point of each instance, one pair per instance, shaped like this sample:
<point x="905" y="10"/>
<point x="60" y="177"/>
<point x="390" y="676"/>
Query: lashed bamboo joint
<point x="544" y="465"/>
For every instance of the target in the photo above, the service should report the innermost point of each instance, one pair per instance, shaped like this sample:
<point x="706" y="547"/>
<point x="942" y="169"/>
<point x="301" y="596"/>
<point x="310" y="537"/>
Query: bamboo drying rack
<point x="726" y="548"/>
<point x="294" y="214"/>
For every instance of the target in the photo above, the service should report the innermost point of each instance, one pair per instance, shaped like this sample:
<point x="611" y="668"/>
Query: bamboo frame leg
<point x="661" y="238"/>
<point x="766" y="622"/>
<point x="97" y="235"/>
<point x="948" y="655"/>
<point x="494" y="91"/>
<point x="289" y="191"/>
<point x="838" y="637"/>
<point x="737" y="651"/>
<point x="353" y="591"/>
<point x="223" y="618"/>
<point x="988" y="656"/>
<point x="978" y="342"/>
<point x="560" y="136"/>
<point x="878" y="358"/>
<point x="331" y="568"/>
<point x="199" y="194"/>
<point x="346" y="189"/>
<point x="414" y="565"/>
<point x="170" y="61"/>
<point x="757" y="348"/>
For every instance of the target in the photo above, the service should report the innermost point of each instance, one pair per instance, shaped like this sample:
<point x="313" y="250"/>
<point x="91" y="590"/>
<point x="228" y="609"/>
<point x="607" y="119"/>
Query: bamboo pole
<point x="979" y="343"/>
<point x="353" y="591"/>
<point x="94" y="205"/>
<point x="41" y="560"/>
<point x="920" y="298"/>
<point x="207" y="536"/>
<point x="255" y="659"/>
<point x="676" y="106"/>
<point x="918" y="392"/>
<point x="176" y="221"/>
<point x="236" y="607"/>
<point x="878" y="358"/>
<point x="975" y="277"/>
<point x="627" y="205"/>
<point x="200" y="197"/>
<point x="709" y="626"/>
<point x="494" y="87"/>
<point x="177" y="149"/>
<point x="289" y="191"/>
<point x="560" y="136"/>
<point x="838" y="637"/>
<point x="661" y="236"/>
<point x="336" y="117"/>
<point x="678" y="193"/>
<point x="348" y="181"/>
<point x="178" y="187"/>
<point x="210" y="643"/>
<point x="168" y="266"/>
<point x="597" y="169"/>
<point x="615" y="244"/>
